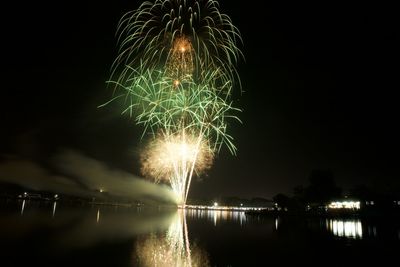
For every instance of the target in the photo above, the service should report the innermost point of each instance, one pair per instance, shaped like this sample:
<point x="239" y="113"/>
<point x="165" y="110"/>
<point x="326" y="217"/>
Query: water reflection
<point x="98" y="215"/>
<point x="54" y="208"/>
<point x="172" y="248"/>
<point x="216" y="216"/>
<point x="23" y="207"/>
<point x="139" y="236"/>
<point x="371" y="231"/>
<point x="345" y="228"/>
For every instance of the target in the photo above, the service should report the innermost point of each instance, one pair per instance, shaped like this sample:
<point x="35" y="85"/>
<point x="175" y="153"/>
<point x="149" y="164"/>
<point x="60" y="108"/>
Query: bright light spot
<point x="182" y="49"/>
<point x="176" y="83"/>
<point x="344" y="205"/>
<point x="56" y="196"/>
<point x="101" y="190"/>
<point x="215" y="204"/>
<point x="352" y="229"/>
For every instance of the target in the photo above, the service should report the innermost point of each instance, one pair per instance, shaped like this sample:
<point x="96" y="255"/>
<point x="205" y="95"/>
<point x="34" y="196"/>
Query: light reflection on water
<point x="23" y="207"/>
<point x="216" y="216"/>
<point x="345" y="228"/>
<point x="363" y="229"/>
<point x="172" y="248"/>
<point x="371" y="231"/>
<point x="155" y="237"/>
<point x="98" y="215"/>
<point x="54" y="208"/>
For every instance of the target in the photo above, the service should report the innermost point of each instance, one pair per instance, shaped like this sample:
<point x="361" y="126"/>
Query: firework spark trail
<point x="176" y="69"/>
<point x="148" y="34"/>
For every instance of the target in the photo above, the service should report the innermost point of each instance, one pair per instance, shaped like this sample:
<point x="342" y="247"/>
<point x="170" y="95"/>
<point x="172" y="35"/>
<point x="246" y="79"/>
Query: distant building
<point x="349" y="205"/>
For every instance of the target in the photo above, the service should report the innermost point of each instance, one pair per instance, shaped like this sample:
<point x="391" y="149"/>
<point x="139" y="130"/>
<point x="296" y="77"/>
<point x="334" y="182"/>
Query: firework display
<point x="176" y="70"/>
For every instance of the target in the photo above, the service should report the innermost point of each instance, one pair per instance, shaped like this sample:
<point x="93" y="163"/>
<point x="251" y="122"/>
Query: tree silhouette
<point x="282" y="200"/>
<point x="322" y="188"/>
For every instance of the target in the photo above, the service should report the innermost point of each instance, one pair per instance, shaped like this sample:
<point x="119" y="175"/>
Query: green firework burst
<point x="147" y="35"/>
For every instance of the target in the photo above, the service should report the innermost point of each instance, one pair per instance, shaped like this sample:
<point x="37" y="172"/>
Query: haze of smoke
<point x="81" y="176"/>
<point x="95" y="175"/>
<point x="31" y="175"/>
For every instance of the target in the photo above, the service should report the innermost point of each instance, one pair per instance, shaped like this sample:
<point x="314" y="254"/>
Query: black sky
<point x="320" y="86"/>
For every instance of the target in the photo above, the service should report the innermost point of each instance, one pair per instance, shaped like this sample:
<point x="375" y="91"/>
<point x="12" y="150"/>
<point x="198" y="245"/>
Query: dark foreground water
<point x="50" y="234"/>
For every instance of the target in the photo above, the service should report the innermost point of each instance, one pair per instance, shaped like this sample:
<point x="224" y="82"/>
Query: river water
<point x="52" y="234"/>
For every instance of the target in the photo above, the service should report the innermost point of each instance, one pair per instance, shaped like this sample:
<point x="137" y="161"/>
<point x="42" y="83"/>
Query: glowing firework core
<point x="175" y="159"/>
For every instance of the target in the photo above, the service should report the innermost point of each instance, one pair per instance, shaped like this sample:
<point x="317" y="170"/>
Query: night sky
<point x="320" y="92"/>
